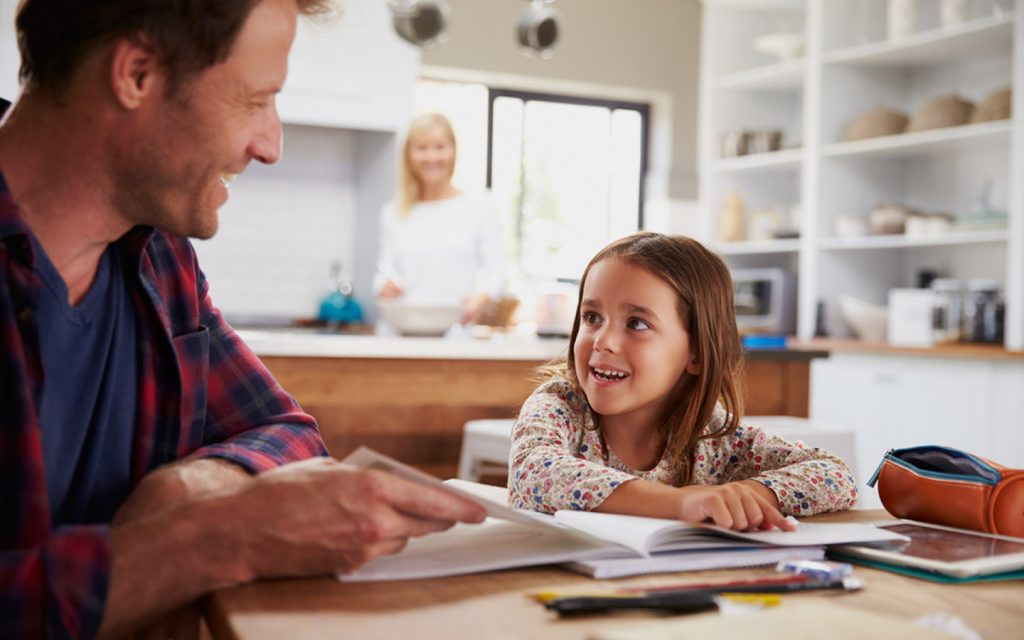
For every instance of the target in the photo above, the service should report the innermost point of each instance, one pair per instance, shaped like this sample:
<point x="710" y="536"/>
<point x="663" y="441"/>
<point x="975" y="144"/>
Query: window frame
<point x="493" y="93"/>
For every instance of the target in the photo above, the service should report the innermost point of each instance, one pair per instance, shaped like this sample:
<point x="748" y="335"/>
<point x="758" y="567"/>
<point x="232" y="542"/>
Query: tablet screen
<point x="951" y="546"/>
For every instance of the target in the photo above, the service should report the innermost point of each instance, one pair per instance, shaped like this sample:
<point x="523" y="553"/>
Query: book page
<point x="645" y="535"/>
<point x="603" y="568"/>
<point x="494" y="544"/>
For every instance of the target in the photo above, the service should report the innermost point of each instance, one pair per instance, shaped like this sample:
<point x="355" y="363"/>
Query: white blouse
<point x="444" y="251"/>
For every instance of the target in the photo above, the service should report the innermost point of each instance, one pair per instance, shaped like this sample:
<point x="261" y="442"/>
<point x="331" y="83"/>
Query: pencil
<point x="691" y="600"/>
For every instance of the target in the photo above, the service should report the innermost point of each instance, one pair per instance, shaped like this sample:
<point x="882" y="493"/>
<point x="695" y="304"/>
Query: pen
<point x="735" y="586"/>
<point x="718" y="586"/>
<point x="693" y="602"/>
<point x="690" y="600"/>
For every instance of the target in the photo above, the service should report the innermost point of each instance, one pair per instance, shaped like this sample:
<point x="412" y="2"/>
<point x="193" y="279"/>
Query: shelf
<point x="975" y="38"/>
<point x="782" y="76"/>
<point x="959" y="139"/>
<point x="900" y="241"/>
<point x="757" y="162"/>
<point x="759" y="5"/>
<point x="755" y="247"/>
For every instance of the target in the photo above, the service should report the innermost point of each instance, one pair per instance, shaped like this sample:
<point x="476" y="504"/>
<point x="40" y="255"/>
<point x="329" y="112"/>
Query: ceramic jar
<point x="902" y="18"/>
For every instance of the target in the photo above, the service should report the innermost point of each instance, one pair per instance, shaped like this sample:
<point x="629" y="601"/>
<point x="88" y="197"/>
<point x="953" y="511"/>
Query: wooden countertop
<point x="964" y="350"/>
<point x="310" y="344"/>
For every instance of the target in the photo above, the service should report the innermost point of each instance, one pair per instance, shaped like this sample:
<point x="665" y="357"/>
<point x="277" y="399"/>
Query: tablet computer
<point x="952" y="552"/>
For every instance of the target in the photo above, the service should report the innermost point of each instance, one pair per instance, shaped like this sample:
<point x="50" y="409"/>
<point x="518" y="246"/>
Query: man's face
<point x="190" y="146"/>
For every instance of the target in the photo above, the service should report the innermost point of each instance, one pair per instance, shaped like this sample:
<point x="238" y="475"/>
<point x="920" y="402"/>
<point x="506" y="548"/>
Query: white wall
<point x="9" y="57"/>
<point x="283" y="225"/>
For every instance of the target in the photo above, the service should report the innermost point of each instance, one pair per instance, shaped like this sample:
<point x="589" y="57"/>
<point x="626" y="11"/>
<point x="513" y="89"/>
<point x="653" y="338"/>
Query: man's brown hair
<point x="55" y="36"/>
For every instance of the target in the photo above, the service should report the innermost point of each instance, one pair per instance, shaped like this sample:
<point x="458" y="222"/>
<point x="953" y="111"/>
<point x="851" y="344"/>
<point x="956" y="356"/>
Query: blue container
<point x="338" y="308"/>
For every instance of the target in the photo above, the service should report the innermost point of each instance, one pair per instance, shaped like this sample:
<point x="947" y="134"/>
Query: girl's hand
<point x="747" y="505"/>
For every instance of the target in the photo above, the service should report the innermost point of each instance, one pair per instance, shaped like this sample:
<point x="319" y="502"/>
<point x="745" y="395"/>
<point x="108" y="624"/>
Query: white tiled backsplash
<point x="283" y="226"/>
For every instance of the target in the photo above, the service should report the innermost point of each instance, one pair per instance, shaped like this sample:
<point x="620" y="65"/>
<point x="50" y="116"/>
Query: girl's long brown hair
<point x="703" y="285"/>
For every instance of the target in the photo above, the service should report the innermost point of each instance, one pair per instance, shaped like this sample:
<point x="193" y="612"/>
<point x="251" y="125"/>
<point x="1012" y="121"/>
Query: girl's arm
<point x="548" y="469"/>
<point x="804" y="480"/>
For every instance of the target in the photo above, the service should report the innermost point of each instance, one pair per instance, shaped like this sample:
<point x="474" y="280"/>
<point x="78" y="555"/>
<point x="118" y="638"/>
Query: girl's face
<point x="432" y="156"/>
<point x="631" y="347"/>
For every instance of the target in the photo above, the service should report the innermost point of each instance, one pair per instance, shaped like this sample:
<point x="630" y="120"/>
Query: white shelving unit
<point x="849" y="67"/>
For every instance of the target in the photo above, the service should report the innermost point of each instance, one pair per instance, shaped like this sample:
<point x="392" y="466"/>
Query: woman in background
<point x="438" y="245"/>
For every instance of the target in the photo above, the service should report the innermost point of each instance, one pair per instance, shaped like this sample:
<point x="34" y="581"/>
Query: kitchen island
<point x="410" y="397"/>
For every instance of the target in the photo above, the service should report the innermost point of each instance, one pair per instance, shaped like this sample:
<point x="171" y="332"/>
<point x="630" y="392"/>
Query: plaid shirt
<point x="201" y="394"/>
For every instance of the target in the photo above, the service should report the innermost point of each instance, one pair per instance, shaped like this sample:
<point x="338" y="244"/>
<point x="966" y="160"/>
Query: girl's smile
<point x="607" y="375"/>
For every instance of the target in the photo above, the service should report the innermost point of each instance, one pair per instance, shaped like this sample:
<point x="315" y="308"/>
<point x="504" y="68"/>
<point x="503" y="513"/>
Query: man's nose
<point x="268" y="138"/>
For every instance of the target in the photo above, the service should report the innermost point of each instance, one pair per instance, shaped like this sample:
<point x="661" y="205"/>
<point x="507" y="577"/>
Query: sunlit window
<point x="566" y="173"/>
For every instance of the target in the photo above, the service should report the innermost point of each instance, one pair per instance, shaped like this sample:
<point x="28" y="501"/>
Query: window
<point x="567" y="173"/>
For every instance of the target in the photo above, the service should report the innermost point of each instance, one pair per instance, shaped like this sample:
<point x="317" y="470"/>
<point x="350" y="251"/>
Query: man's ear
<point x="135" y="71"/>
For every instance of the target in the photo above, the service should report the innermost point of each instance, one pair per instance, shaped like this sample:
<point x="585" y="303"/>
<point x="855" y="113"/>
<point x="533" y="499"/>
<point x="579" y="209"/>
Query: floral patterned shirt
<point x="557" y="461"/>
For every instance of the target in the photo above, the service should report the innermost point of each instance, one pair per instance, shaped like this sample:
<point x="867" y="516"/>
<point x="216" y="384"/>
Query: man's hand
<point x="747" y="505"/>
<point x="320" y="516"/>
<point x="314" y="517"/>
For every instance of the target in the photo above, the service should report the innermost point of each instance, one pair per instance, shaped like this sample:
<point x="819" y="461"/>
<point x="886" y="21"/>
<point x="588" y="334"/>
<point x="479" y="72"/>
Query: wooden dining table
<point x="497" y="604"/>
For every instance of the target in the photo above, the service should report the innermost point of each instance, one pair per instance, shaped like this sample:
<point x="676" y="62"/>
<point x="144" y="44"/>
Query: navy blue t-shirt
<point x="87" y="410"/>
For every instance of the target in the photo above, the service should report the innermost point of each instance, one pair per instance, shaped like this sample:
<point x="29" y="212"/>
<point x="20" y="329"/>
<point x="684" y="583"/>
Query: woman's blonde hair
<point x="409" y="187"/>
<point x="703" y="286"/>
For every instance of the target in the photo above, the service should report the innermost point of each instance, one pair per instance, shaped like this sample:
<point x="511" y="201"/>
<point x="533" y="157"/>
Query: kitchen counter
<point x="321" y="344"/>
<point x="410" y="397"/>
<point x="960" y="350"/>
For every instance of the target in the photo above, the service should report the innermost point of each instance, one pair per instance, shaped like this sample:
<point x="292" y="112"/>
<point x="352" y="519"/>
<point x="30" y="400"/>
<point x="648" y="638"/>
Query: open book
<point x="510" y="538"/>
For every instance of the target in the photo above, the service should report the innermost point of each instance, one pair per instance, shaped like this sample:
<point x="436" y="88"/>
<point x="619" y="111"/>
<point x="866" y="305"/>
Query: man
<point x="140" y="439"/>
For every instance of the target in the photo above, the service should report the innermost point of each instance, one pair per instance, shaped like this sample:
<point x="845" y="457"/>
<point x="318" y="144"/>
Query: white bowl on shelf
<point x="411" y="319"/>
<point x="870" y="322"/>
<point x="784" y="46"/>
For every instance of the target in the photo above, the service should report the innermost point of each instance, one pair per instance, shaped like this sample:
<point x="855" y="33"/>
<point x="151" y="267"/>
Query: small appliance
<point x="765" y="300"/>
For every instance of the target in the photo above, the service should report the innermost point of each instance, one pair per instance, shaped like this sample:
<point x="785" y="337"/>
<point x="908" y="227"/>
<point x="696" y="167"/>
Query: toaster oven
<point x="765" y="300"/>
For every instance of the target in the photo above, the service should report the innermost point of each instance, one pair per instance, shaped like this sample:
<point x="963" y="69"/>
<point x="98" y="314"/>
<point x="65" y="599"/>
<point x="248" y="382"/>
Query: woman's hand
<point x="473" y="307"/>
<point x="391" y="289"/>
<point x="747" y="505"/>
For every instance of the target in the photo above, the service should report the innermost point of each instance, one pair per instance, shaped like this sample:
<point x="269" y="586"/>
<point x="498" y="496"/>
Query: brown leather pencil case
<point x="947" y="486"/>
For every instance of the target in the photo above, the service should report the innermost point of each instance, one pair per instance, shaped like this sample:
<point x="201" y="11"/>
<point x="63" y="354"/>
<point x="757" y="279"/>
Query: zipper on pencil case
<point x="890" y="455"/>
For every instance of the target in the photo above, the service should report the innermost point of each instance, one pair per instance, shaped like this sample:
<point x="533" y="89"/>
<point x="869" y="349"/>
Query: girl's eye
<point x="638" y="324"/>
<point x="589" y="317"/>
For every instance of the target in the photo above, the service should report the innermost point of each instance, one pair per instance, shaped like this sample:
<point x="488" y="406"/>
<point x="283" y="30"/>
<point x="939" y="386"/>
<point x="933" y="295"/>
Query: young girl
<point x="643" y="418"/>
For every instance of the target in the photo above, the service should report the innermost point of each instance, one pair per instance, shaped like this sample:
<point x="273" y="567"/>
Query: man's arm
<point x="311" y="518"/>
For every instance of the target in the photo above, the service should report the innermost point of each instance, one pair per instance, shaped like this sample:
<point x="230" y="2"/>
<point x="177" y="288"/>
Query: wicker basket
<point x="498" y="313"/>
<point x="949" y="110"/>
<point x="880" y="121"/>
<point x="995" y="106"/>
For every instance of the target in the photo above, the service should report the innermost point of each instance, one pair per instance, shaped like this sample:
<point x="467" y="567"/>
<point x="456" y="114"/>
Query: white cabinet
<point x="350" y="71"/>
<point x="892" y="401"/>
<point x="818" y="178"/>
